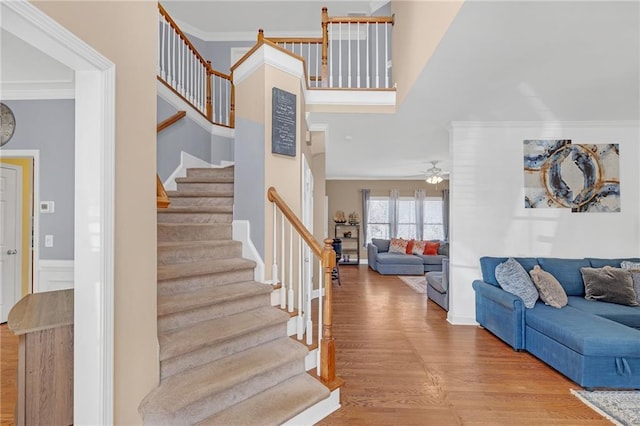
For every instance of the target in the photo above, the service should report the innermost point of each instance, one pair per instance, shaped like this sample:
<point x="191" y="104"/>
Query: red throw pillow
<point x="431" y="248"/>
<point x="410" y="246"/>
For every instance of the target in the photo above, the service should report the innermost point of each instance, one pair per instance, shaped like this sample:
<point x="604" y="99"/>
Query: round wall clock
<point x="7" y="124"/>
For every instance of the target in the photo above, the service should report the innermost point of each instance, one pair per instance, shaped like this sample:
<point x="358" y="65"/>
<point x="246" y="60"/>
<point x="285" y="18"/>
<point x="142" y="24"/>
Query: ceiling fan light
<point x="435" y="179"/>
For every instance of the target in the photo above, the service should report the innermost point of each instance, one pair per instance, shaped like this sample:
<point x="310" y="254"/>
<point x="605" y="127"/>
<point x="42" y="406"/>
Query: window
<point x="433" y="226"/>
<point x="379" y="224"/>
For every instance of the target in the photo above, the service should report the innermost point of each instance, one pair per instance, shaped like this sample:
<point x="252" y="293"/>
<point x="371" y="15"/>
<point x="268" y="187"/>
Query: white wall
<point x="488" y="217"/>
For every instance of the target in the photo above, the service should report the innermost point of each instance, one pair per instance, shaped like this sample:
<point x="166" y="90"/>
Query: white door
<point x="10" y="226"/>
<point x="307" y="218"/>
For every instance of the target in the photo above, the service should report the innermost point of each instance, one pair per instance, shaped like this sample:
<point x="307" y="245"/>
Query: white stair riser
<point x="179" y="285"/>
<point x="176" y="320"/>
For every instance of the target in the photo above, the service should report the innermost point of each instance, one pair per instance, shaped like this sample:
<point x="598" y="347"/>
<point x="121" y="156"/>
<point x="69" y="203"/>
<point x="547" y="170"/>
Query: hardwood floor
<point x="404" y="364"/>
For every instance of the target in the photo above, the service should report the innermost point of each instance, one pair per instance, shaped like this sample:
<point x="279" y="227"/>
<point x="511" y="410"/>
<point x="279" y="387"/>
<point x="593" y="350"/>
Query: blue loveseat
<point x="595" y="344"/>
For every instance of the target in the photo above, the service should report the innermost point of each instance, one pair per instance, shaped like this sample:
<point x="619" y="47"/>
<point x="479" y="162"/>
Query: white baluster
<point x="290" y="294"/>
<point x="274" y="266"/>
<point x="283" y="285"/>
<point x="320" y="293"/>
<point x="309" y="64"/>
<point x="172" y="60"/>
<point x="349" y="54"/>
<point x="309" y="286"/>
<point x="300" y="320"/>
<point x="339" y="55"/>
<point x="386" y="56"/>
<point x="377" y="59"/>
<point x="318" y="60"/>
<point x="180" y="65"/>
<point x="219" y="100"/>
<point x="329" y="54"/>
<point x="358" y="54"/>
<point x="159" y="70"/>
<point x="368" y="86"/>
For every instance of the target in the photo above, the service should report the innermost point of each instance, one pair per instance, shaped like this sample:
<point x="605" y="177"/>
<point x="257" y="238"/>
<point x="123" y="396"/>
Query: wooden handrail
<point x="184" y="38"/>
<point x="311" y="40"/>
<point x="162" y="199"/>
<point x="274" y="197"/>
<point x="328" y="258"/>
<point x="360" y="20"/>
<point x="169" y="121"/>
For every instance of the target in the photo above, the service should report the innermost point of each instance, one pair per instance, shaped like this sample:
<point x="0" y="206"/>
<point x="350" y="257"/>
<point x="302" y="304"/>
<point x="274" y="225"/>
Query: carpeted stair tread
<point x="194" y="231"/>
<point x="174" y="252"/>
<point x="197" y="209"/>
<point x="210" y="296"/>
<point x="194" y="194"/>
<point x="205" y="179"/>
<point x="175" y="395"/>
<point x="273" y="406"/>
<point x="183" y="270"/>
<point x="211" y="332"/>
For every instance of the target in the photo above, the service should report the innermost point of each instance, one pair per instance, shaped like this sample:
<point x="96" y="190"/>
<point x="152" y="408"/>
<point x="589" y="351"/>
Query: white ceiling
<point x="499" y="61"/>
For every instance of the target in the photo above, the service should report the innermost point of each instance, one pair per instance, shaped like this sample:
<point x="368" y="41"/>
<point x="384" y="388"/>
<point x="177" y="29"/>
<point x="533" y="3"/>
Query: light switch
<point x="48" y="240"/>
<point x="47" y="206"/>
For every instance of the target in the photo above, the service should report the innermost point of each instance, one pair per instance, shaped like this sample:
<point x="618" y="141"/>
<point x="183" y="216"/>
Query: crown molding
<point x="546" y="124"/>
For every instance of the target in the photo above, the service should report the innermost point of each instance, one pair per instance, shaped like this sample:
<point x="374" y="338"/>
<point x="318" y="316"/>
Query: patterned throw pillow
<point x="398" y="245"/>
<point x="513" y="278"/>
<point x="550" y="290"/>
<point x="635" y="275"/>
<point x="609" y="284"/>
<point x="431" y="248"/>
<point x="418" y="247"/>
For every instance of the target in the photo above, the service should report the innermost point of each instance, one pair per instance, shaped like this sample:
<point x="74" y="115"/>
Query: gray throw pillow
<point x="609" y="284"/>
<point x="635" y="275"/>
<point x="513" y="278"/>
<point x="550" y="290"/>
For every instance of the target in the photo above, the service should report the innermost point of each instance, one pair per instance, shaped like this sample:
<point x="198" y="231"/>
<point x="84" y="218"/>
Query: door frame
<point x="94" y="204"/>
<point x="17" y="284"/>
<point x="34" y="259"/>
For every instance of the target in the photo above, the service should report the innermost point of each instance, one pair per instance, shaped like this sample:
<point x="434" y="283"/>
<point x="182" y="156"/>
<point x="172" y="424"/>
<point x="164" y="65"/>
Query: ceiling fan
<point x="435" y="174"/>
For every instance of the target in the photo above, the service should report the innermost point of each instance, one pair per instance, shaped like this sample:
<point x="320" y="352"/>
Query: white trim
<point x="460" y="320"/>
<point x="317" y="412"/>
<point x="55" y="275"/>
<point x="351" y="97"/>
<point x="177" y="102"/>
<point x="268" y="55"/>
<point x="35" y="154"/>
<point x="242" y="232"/>
<point x="552" y="125"/>
<point x="37" y="94"/>
<point x="94" y="204"/>
<point x="186" y="161"/>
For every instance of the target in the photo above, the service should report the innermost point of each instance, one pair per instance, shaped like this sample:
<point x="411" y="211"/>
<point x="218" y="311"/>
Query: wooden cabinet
<point x="350" y="236"/>
<point x="43" y="323"/>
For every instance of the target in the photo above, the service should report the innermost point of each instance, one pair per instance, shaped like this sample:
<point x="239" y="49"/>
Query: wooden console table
<point x="43" y="323"/>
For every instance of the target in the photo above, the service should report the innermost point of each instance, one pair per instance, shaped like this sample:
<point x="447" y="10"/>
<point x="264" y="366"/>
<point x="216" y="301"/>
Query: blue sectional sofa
<point x="596" y="344"/>
<point x="385" y="263"/>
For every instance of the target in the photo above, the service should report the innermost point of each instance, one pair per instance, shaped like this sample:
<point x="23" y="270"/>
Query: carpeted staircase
<point x="225" y="357"/>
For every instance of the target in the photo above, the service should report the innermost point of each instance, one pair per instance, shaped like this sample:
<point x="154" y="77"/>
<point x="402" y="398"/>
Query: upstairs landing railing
<point x="354" y="52"/>
<point x="183" y="70"/>
<point x="296" y="295"/>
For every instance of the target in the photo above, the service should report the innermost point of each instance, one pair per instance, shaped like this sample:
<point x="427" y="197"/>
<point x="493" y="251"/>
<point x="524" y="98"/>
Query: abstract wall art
<point x="580" y="177"/>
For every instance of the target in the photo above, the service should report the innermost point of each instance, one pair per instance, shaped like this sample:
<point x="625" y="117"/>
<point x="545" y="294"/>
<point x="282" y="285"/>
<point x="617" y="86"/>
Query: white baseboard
<point x="315" y="413"/>
<point x="54" y="275"/>
<point x="242" y="232"/>
<point x="460" y="320"/>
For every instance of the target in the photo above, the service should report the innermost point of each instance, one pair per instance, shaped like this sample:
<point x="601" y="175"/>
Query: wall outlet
<point x="48" y="240"/>
<point x="47" y="206"/>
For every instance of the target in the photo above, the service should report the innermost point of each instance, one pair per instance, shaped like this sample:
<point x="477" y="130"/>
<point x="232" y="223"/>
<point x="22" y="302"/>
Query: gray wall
<point x="249" y="179"/>
<point x="49" y="126"/>
<point x="219" y="52"/>
<point x="186" y="135"/>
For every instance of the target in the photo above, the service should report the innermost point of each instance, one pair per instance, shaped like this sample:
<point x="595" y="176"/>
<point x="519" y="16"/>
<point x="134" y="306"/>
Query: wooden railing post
<point x="260" y="35"/>
<point x="209" y="101"/>
<point x="232" y="105"/>
<point x="327" y="344"/>
<point x="325" y="47"/>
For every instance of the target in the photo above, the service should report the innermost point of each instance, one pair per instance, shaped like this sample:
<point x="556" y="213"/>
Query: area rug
<point x="418" y="284"/>
<point x="621" y="407"/>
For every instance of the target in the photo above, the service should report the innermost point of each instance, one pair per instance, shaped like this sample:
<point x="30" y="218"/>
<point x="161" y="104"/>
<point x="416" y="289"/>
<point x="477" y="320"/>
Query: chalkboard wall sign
<point x="283" y="122"/>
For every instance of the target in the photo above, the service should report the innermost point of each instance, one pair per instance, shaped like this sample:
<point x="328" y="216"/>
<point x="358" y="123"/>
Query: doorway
<point x="10" y="244"/>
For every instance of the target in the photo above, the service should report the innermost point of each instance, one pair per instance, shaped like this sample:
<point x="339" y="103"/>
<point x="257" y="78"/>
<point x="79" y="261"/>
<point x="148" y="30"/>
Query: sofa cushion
<point x="584" y="333"/>
<point x="488" y="265"/>
<point x="513" y="278"/>
<point x="398" y="259"/>
<point x="432" y="248"/>
<point x="550" y="290"/>
<point x="418" y="247"/>
<point x="428" y="259"/>
<point x="567" y="272"/>
<point x="609" y="284"/>
<point x="381" y="244"/>
<point x="635" y="275"/>
<point x="601" y="263"/>
<point x="444" y="249"/>
<point x="627" y="315"/>
<point x="398" y="245"/>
